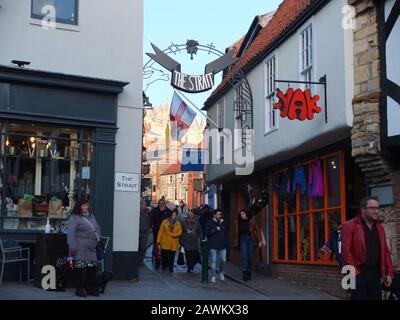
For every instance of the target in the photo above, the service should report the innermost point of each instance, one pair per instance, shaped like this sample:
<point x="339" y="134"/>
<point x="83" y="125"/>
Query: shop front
<point x="298" y="218"/>
<point x="57" y="144"/>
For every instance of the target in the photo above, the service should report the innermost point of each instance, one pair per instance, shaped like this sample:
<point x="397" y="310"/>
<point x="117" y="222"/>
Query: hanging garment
<point x="299" y="177"/>
<point x="277" y="182"/>
<point x="316" y="180"/>
<point x="284" y="188"/>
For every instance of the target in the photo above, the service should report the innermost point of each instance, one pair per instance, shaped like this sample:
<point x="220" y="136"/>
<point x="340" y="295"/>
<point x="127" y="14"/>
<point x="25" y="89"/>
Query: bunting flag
<point x="182" y="115"/>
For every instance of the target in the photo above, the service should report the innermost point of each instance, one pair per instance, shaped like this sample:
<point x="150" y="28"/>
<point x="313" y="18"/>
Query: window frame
<point x="221" y="145"/>
<point x="34" y="17"/>
<point x="269" y="94"/>
<point x="311" y="212"/>
<point x="307" y="72"/>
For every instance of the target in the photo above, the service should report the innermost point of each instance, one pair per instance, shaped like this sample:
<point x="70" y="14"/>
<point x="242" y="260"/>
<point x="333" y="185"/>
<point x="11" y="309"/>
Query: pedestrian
<point x="216" y="233"/>
<point x="364" y="247"/>
<point x="205" y="216"/>
<point x="247" y="237"/>
<point x="168" y="240"/>
<point x="144" y="230"/>
<point x="191" y="235"/>
<point x="82" y="237"/>
<point x="182" y="211"/>
<point x="157" y="215"/>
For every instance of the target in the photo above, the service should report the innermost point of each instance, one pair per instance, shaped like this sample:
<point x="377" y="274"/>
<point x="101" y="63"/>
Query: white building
<point x="303" y="42"/>
<point x="82" y="91"/>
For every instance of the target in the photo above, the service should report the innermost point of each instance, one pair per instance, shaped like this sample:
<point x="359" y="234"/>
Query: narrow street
<point x="162" y="285"/>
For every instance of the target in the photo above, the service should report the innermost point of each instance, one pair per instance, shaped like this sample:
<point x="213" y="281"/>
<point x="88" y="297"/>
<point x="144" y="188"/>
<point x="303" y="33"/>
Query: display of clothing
<point x="284" y="188"/>
<point x="299" y="178"/>
<point x="316" y="180"/>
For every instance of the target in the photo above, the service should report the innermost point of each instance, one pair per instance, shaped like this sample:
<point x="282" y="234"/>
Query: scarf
<point x="171" y="224"/>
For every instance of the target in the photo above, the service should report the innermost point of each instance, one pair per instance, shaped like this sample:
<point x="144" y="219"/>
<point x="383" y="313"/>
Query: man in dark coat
<point x="205" y="216"/>
<point x="144" y="228"/>
<point x="217" y="237"/>
<point x="157" y="216"/>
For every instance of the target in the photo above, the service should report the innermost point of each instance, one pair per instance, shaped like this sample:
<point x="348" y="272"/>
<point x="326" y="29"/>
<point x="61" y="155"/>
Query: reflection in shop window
<point x="45" y="169"/>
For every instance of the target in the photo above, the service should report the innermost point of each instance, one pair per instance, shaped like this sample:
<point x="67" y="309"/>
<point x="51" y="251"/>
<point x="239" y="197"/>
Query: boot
<point x="244" y="275"/>
<point x="80" y="279"/>
<point x="248" y="275"/>
<point x="92" y="285"/>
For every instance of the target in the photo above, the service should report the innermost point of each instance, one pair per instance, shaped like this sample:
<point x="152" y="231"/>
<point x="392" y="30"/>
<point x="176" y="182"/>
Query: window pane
<point x="20" y="177"/>
<point x="333" y="165"/>
<point x="335" y="220"/>
<point x="281" y="238"/>
<point x="318" y="203"/>
<point x="304" y="199"/>
<point x="65" y="9"/>
<point x="319" y="233"/>
<point x="292" y="238"/>
<point x="305" y="237"/>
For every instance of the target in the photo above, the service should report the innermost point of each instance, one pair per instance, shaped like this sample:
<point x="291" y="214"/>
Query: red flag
<point x="181" y="113"/>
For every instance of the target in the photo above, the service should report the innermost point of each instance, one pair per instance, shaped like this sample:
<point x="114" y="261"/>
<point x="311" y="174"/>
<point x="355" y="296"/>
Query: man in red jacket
<point x="364" y="247"/>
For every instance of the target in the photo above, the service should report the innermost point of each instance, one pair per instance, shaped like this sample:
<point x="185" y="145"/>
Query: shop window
<point x="66" y="11"/>
<point x="305" y="249"/>
<point x="43" y="171"/>
<point x="280" y="241"/>
<point x="292" y="236"/>
<point x="305" y="217"/>
<point x="319" y="233"/>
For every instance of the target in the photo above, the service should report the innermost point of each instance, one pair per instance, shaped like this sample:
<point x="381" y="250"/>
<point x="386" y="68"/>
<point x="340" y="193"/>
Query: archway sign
<point x="243" y="103"/>
<point x="192" y="83"/>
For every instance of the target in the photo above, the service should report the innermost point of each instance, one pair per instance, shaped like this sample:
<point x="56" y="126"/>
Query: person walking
<point x="364" y="247"/>
<point x="168" y="240"/>
<point x="157" y="215"/>
<point x="83" y="232"/>
<point x="216" y="233"/>
<point x="205" y="216"/>
<point x="247" y="238"/>
<point x="191" y="235"/>
<point x="144" y="230"/>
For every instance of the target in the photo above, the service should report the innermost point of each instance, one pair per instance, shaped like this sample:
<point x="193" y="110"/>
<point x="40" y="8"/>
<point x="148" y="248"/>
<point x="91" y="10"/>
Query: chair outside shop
<point x="13" y="254"/>
<point x="105" y="241"/>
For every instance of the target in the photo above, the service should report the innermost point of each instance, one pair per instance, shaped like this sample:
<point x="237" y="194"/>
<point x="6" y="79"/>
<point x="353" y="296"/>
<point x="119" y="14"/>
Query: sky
<point x="217" y="22"/>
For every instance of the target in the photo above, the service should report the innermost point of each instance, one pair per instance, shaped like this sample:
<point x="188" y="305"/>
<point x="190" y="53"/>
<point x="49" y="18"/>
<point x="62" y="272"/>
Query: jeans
<point x="221" y="256"/>
<point x="246" y="252"/>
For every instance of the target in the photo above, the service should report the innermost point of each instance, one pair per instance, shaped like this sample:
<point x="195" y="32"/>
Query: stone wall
<point x="366" y="146"/>
<point x="366" y="135"/>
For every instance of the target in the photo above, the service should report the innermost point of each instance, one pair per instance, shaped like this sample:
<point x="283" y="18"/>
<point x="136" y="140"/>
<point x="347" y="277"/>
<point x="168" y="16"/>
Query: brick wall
<point x="324" y="278"/>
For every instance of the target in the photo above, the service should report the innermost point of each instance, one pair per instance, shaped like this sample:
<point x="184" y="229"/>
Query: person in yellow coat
<point x="168" y="240"/>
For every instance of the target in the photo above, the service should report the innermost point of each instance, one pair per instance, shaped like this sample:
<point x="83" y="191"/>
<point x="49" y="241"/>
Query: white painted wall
<point x="106" y="44"/>
<point x="333" y="57"/>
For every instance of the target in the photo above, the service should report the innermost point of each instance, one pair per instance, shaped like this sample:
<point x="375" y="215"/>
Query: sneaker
<point x="213" y="279"/>
<point x="222" y="276"/>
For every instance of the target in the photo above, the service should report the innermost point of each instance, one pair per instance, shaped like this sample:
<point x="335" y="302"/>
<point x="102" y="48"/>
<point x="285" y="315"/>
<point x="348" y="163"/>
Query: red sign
<point x="297" y="104"/>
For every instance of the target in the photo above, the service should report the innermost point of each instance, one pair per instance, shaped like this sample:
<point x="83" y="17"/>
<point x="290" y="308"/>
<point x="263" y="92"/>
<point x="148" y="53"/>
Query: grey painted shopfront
<point x="58" y="143"/>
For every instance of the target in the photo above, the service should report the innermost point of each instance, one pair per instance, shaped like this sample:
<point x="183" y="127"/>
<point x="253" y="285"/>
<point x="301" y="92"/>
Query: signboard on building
<point x="127" y="182"/>
<point x="192" y="83"/>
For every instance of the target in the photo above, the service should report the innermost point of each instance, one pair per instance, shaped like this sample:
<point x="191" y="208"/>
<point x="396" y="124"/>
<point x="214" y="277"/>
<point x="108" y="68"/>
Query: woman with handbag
<point x="191" y="235"/>
<point x="247" y="238"/>
<point x="83" y="235"/>
<point x="168" y="240"/>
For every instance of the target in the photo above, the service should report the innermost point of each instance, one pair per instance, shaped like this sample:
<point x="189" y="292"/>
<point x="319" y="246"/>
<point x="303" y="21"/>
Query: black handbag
<point x="181" y="258"/>
<point x="100" y="249"/>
